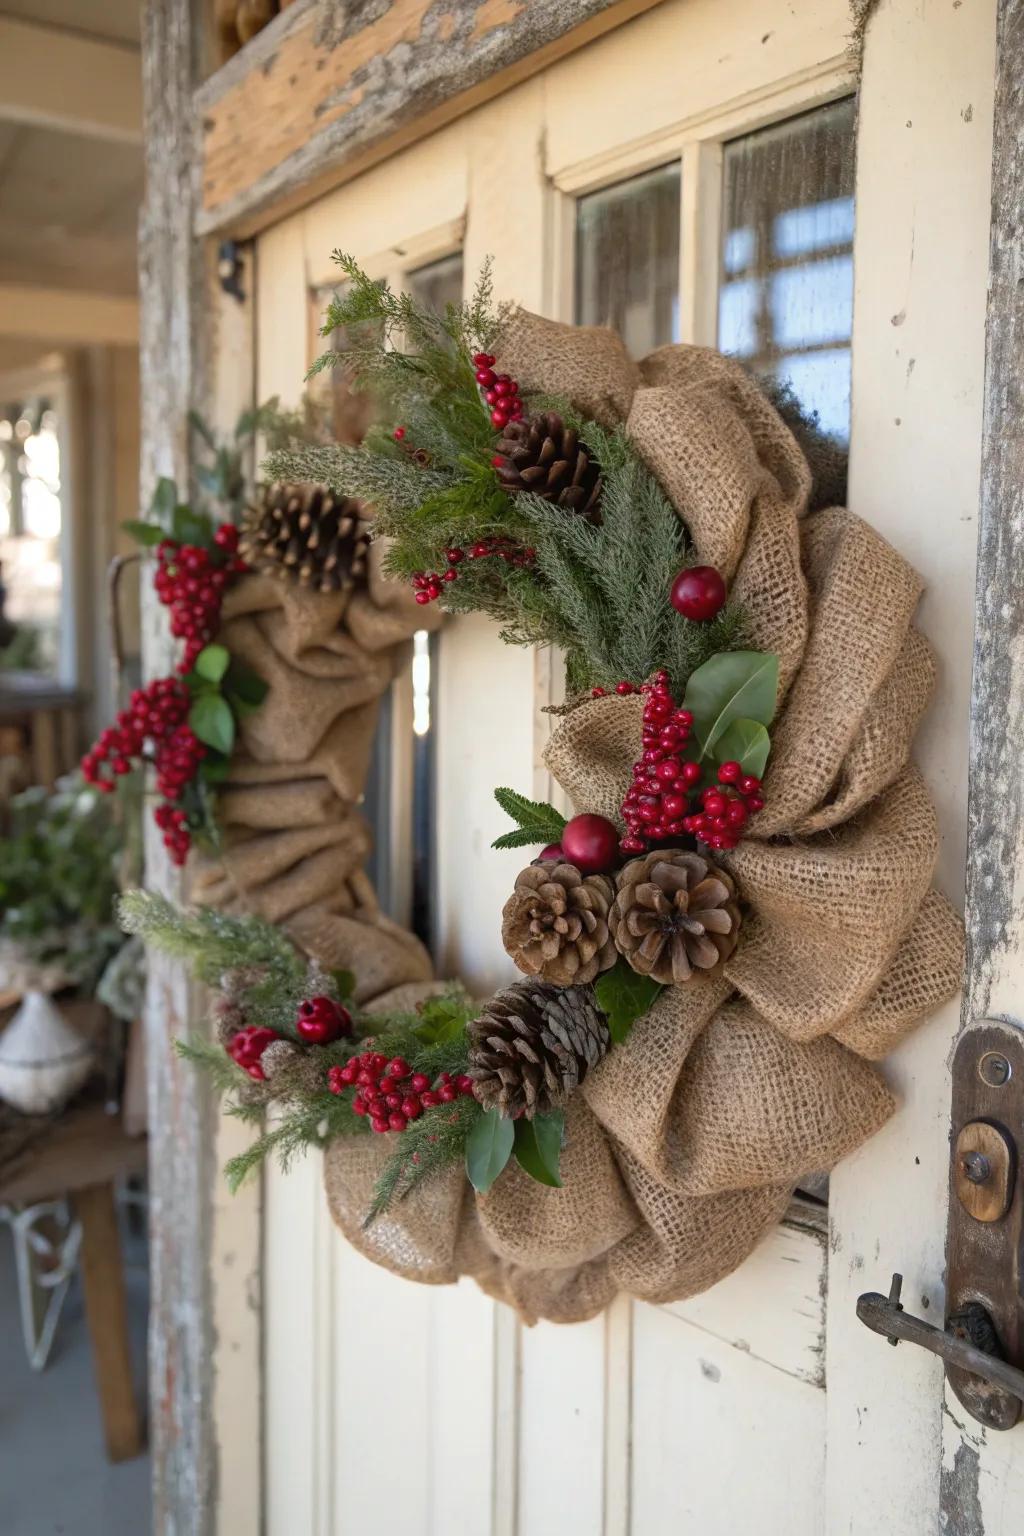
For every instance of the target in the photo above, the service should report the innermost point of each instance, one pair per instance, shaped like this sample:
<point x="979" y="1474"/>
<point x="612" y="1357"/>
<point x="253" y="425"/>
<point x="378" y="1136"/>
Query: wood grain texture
<point x="107" y="1317"/>
<point x="328" y="90"/>
<point x="174" y="373"/>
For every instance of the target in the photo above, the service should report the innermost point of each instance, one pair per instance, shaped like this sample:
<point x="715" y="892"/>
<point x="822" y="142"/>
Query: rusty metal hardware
<point x="885" y="1315"/>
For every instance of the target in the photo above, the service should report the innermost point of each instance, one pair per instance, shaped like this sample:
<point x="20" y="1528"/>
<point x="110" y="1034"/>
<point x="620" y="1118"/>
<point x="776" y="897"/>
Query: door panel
<point x="708" y="1415"/>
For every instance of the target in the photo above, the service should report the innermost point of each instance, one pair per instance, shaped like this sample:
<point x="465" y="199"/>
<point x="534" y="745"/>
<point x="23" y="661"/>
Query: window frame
<point x="698" y="144"/>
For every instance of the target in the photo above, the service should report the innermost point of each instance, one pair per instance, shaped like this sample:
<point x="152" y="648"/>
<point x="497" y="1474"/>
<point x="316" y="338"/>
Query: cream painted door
<point x="395" y="1410"/>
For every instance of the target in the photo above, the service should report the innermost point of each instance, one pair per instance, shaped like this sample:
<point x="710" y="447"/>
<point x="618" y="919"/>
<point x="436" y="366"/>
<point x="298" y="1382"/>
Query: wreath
<point x="736" y="921"/>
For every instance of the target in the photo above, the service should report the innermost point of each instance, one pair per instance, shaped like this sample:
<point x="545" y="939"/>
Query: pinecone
<point x="305" y="533"/>
<point x="675" y="912"/>
<point x="533" y="1045"/>
<point x="546" y="457"/>
<point x="555" y="924"/>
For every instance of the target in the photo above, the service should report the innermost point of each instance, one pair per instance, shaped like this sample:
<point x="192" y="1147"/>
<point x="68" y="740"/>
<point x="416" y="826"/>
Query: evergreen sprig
<point x="536" y="821"/>
<point x="428" y="1147"/>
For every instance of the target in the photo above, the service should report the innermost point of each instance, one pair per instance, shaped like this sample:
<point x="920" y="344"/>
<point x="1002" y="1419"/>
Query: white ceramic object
<point x="43" y="1061"/>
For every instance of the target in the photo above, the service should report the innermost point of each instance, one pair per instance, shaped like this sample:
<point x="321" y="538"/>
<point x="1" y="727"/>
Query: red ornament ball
<point x="322" y="1020"/>
<point x="552" y="851"/>
<point x="698" y="593"/>
<point x="591" y="843"/>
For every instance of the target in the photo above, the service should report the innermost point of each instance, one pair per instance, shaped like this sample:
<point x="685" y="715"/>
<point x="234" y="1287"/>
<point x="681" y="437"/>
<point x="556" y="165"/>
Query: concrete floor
<point x="54" y="1477"/>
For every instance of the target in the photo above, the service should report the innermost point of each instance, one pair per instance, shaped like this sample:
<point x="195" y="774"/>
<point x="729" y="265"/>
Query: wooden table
<point x="81" y="1156"/>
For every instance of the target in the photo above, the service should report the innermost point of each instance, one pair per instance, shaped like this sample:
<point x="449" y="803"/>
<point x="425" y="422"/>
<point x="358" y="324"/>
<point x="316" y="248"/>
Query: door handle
<point x="885" y="1315"/>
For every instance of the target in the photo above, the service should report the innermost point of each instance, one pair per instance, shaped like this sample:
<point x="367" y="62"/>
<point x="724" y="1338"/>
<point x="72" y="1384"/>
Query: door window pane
<point x="786" y="295"/>
<point x="439" y="283"/>
<point x="30" y="537"/>
<point x="627" y="259"/>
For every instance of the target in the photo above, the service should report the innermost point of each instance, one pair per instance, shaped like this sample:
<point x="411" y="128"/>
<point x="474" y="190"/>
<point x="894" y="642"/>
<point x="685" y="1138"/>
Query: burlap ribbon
<point x="683" y="1147"/>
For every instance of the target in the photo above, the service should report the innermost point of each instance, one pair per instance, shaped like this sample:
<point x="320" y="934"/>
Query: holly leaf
<point x="536" y="821"/>
<point x="212" y="662"/>
<point x="745" y="742"/>
<point x="538" y="1147"/>
<point x="211" y="719"/>
<point x="189" y="527"/>
<point x="624" y="996"/>
<point x="165" y="499"/>
<point x="146" y="534"/>
<point x="488" y="1149"/>
<point x="734" y="685"/>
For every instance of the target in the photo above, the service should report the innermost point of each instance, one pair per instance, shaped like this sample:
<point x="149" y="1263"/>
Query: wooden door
<point x="762" y="1405"/>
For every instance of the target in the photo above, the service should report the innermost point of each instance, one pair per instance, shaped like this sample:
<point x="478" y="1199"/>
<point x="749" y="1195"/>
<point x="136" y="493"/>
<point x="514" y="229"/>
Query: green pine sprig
<point x="536" y="821"/>
<point x="428" y="1147"/>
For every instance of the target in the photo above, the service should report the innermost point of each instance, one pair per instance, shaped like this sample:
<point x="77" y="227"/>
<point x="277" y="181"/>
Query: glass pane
<point x="627" y="259"/>
<point x="30" y="537"/>
<point x="786" y="296"/>
<point x="439" y="283"/>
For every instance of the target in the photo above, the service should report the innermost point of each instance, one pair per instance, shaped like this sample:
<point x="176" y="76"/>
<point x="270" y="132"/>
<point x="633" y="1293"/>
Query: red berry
<point x="728" y="773"/>
<point x="398" y="434"/>
<point x="632" y="845"/>
<point x="379" y="1124"/>
<point x="419" y="1083"/>
<point x="590" y="842"/>
<point x="411" y="1107"/>
<point x="754" y="804"/>
<point x="750" y="785"/>
<point x="698" y="593"/>
<point x="448" y="1093"/>
<point x="429" y="1100"/>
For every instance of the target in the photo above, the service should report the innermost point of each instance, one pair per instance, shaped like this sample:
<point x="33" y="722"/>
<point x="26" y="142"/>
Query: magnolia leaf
<point x="488" y="1149"/>
<point x="165" y="499"/>
<point x="624" y="996"/>
<point x="211" y="719"/>
<point x="245" y="689"/>
<point x="345" y="982"/>
<point x="745" y="742"/>
<point x="146" y="534"/>
<point x="189" y="527"/>
<point x="212" y="662"/>
<point x="538" y="1147"/>
<point x="734" y="685"/>
<point x="214" y="770"/>
<point x="199" y="426"/>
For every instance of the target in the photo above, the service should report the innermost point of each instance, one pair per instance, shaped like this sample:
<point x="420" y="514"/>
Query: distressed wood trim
<point x="174" y="377"/>
<point x="995" y="871"/>
<point x="327" y="90"/>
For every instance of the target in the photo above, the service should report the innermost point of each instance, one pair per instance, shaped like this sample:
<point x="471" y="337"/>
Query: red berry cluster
<point x="390" y="1092"/>
<point x="153" y="714"/>
<point x="247" y="1046"/>
<point x="500" y="392"/>
<point x="658" y="802"/>
<point x="190" y="581"/>
<point x="322" y="1020"/>
<point x="173" y="823"/>
<point x="427" y="585"/>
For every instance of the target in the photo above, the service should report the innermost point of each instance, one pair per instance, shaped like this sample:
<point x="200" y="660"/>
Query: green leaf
<point x="214" y="770"/>
<point x="199" y="426"/>
<point x="443" y="1019"/>
<point x="246" y="689"/>
<point x="624" y="996"/>
<point x="146" y="534"/>
<point x="488" y="1149"/>
<point x="734" y="685"/>
<point x="745" y="742"/>
<point x="211" y="719"/>
<point x="165" y="499"/>
<point x="345" y="982"/>
<point x="190" y="527"/>
<point x="537" y="821"/>
<point x="212" y="662"/>
<point x="538" y="1147"/>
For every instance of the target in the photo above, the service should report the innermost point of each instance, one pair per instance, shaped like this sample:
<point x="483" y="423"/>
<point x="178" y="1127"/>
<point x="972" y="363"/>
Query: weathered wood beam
<point x="66" y="317"/>
<point x="174" y="377"/>
<point x="50" y="78"/>
<point x="327" y="90"/>
<point x="995" y="883"/>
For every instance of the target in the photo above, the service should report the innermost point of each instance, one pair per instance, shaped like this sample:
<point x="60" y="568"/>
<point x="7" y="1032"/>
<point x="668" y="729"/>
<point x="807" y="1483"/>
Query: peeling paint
<point x="710" y="1371"/>
<point x="960" y="1499"/>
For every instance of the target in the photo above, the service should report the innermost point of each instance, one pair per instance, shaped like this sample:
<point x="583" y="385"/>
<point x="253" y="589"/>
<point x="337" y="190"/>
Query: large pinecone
<point x="555" y="924"/>
<point x="533" y="1045"/>
<point x="675" y="912"/>
<point x="546" y="457"/>
<point x="305" y="533"/>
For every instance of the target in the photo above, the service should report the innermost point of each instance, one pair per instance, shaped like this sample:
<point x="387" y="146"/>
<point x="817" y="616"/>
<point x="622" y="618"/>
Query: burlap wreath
<point x="684" y="1145"/>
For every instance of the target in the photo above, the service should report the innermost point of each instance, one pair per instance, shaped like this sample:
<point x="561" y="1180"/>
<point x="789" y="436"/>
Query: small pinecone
<point x="675" y="912"/>
<point x="533" y="1045"/>
<point x="555" y="924"/>
<point x="546" y="457"/>
<point x="293" y="1069"/>
<point x="228" y="1019"/>
<point x="305" y="533"/>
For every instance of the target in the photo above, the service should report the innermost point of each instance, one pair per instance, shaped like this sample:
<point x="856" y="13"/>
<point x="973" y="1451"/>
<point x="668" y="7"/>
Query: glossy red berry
<point x="698" y="593"/>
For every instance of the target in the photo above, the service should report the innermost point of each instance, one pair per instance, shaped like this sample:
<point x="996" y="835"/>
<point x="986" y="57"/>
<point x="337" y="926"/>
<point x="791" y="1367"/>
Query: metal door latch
<point x="982" y="1344"/>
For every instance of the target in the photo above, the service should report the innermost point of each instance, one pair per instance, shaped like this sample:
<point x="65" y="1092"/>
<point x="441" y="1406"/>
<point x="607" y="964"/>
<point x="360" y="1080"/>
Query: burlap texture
<point x="685" y="1143"/>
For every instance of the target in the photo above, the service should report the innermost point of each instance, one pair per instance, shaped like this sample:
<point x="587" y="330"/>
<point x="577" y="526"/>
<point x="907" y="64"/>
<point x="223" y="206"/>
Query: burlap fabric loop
<point x="685" y="1144"/>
